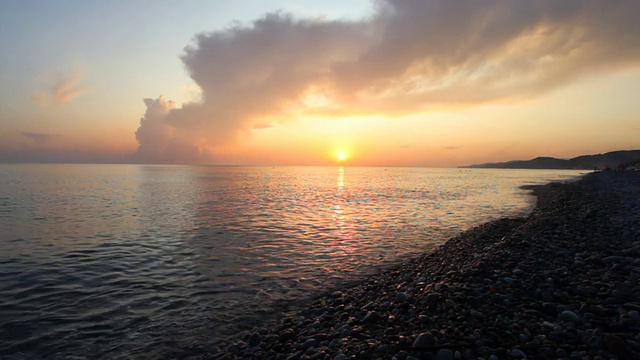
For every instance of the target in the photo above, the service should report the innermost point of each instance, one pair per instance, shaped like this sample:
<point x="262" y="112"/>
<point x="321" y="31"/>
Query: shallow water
<point x="109" y="261"/>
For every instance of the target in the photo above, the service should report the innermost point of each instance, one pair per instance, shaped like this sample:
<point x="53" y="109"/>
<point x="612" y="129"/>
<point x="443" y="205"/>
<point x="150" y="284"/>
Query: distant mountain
<point x="611" y="159"/>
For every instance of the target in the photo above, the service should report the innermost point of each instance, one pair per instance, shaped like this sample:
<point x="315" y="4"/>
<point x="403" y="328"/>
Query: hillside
<point x="600" y="161"/>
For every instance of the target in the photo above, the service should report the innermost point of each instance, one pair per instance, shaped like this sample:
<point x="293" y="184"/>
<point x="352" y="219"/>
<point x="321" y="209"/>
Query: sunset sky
<point x="284" y="82"/>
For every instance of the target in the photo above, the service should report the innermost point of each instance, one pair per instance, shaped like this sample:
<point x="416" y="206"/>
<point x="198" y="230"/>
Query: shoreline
<point x="563" y="282"/>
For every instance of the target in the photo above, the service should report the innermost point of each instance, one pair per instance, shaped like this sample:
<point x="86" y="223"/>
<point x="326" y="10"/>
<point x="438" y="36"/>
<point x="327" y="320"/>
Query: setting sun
<point x="341" y="156"/>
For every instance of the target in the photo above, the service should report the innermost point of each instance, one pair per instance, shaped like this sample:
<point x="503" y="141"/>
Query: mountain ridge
<point x="598" y="161"/>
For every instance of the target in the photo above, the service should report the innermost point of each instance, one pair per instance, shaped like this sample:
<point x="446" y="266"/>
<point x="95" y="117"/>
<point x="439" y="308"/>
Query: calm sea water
<point x="110" y="261"/>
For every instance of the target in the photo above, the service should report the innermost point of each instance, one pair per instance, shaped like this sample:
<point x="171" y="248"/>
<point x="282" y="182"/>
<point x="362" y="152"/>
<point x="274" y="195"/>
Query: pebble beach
<point x="562" y="283"/>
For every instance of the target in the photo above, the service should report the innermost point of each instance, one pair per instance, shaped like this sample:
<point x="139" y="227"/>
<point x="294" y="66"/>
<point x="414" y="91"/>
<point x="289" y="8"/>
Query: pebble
<point x="401" y="297"/>
<point x="286" y="335"/>
<point x="371" y="317"/>
<point x="424" y="340"/>
<point x="444" y="354"/>
<point x="432" y="299"/>
<point x="570" y="316"/>
<point x="518" y="354"/>
<point x="310" y="343"/>
<point x="254" y="339"/>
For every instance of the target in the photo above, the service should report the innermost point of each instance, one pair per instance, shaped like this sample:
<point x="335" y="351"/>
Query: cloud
<point x="53" y="154"/>
<point x="162" y="140"/>
<point x="453" y="147"/>
<point x="62" y="91"/>
<point x="409" y="56"/>
<point x="40" y="138"/>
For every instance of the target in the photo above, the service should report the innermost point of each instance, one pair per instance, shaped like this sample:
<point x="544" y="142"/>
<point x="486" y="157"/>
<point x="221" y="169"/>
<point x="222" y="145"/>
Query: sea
<point x="167" y="261"/>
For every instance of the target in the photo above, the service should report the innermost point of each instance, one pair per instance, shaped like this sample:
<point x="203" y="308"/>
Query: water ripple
<point x="163" y="261"/>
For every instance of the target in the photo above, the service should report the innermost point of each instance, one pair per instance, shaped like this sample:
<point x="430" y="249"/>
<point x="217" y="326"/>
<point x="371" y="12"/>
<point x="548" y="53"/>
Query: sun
<point x="341" y="156"/>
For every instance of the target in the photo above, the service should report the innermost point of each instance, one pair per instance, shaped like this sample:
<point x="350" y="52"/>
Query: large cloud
<point x="410" y="55"/>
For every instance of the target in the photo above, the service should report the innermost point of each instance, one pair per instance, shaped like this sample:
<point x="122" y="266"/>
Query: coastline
<point x="564" y="282"/>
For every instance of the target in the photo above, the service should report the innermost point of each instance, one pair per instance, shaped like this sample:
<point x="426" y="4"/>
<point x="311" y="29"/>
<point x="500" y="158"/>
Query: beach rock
<point x="613" y="259"/>
<point x="233" y="349"/>
<point x="617" y="346"/>
<point x="254" y="339"/>
<point x="424" y="340"/>
<point x="518" y="354"/>
<point x="401" y="297"/>
<point x="444" y="354"/>
<point x="310" y="343"/>
<point x="550" y="309"/>
<point x="570" y="316"/>
<point x="433" y="299"/>
<point x="286" y="335"/>
<point x="371" y="317"/>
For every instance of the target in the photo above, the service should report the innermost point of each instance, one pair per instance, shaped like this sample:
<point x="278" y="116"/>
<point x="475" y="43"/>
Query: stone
<point x="569" y="316"/>
<point x="310" y="343"/>
<point x="424" y="340"/>
<point x="233" y="349"/>
<point x="518" y="354"/>
<point x="613" y="259"/>
<point x="433" y="299"/>
<point x="617" y="346"/>
<point x="550" y="309"/>
<point x="561" y="353"/>
<point x="401" y="297"/>
<point x="295" y="355"/>
<point x="286" y="335"/>
<point x="371" y="317"/>
<point x="444" y="354"/>
<point x="254" y="339"/>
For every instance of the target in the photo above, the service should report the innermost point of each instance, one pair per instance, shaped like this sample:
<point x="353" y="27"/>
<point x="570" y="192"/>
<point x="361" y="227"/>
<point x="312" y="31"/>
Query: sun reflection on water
<point x="340" y="178"/>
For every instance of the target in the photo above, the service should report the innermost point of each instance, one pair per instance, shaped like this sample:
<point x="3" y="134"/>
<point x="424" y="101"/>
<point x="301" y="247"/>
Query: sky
<point x="283" y="82"/>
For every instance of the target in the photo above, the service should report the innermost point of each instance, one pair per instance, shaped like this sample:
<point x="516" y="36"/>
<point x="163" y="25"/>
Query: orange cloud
<point x="62" y="91"/>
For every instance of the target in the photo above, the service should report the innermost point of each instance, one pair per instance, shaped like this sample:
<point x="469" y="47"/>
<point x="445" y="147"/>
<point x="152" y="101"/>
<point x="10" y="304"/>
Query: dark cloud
<point x="409" y="56"/>
<point x="52" y="154"/>
<point x="453" y="147"/>
<point x="40" y="138"/>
